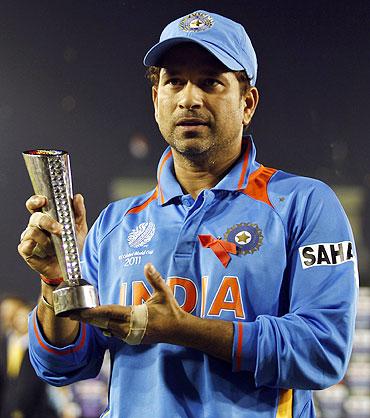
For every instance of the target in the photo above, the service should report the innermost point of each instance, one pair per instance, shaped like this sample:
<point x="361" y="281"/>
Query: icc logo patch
<point x="196" y="22"/>
<point x="247" y="237"/>
<point x="141" y="235"/>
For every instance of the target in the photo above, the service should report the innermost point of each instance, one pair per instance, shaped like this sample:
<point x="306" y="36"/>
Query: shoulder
<point x="274" y="187"/>
<point x="286" y="186"/>
<point x="283" y="191"/>
<point x="307" y="205"/>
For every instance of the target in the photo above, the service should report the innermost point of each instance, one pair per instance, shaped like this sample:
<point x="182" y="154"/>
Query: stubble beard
<point x="190" y="144"/>
<point x="200" y="149"/>
<point x="194" y="149"/>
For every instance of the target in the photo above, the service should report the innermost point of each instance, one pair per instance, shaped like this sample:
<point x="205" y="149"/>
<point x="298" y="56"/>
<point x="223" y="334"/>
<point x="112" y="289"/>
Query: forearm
<point x="165" y="322"/>
<point x="214" y="337"/>
<point x="57" y="331"/>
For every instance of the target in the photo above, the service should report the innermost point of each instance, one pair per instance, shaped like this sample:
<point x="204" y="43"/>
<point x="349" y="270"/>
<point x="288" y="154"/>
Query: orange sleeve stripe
<point x="165" y="158"/>
<point x="257" y="184"/>
<point x="52" y="350"/>
<point x="244" y="166"/>
<point x="239" y="347"/>
<point x="137" y="209"/>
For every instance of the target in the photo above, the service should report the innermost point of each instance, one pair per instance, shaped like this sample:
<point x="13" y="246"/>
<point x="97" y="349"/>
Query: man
<point x="247" y="299"/>
<point x="20" y="385"/>
<point x="9" y="305"/>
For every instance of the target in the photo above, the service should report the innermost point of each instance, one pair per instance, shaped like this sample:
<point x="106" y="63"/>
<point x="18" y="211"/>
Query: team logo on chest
<point x="141" y="235"/>
<point x="247" y="237"/>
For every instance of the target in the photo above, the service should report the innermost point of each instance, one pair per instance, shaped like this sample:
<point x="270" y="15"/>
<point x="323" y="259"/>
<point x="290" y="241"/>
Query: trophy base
<point x="69" y="298"/>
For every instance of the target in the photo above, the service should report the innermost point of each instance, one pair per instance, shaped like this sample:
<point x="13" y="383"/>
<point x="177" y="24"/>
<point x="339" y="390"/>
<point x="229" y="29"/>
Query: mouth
<point x="191" y="122"/>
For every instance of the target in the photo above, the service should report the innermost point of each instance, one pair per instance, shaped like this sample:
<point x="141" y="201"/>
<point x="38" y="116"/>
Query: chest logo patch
<point x="247" y="237"/>
<point x="141" y="235"/>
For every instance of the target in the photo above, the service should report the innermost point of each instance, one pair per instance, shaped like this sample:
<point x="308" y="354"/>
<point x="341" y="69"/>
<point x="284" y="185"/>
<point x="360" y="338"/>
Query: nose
<point x="190" y="96"/>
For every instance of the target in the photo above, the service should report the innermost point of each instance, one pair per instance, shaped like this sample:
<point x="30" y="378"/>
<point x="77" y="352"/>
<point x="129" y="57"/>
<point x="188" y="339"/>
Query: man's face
<point x="198" y="105"/>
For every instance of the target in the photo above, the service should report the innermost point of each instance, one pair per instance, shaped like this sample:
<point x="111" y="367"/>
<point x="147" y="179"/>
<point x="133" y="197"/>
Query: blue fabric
<point x="293" y="323"/>
<point x="75" y="359"/>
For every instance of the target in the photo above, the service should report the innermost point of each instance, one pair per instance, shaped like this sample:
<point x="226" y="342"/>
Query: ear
<point x="250" y="100"/>
<point x="155" y="101"/>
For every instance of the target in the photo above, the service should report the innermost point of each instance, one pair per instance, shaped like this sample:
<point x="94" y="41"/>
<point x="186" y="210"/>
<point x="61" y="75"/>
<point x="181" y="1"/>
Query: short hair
<point x="152" y="74"/>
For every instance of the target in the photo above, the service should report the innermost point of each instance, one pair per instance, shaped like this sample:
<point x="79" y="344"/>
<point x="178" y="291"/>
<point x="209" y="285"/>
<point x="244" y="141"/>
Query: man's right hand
<point x="36" y="246"/>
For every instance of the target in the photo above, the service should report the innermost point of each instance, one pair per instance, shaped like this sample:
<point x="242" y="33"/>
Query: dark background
<point x="71" y="77"/>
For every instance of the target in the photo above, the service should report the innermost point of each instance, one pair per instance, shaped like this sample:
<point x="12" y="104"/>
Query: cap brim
<point x="154" y="55"/>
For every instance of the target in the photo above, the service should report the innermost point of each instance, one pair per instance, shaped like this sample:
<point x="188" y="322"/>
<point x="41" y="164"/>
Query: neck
<point x="197" y="174"/>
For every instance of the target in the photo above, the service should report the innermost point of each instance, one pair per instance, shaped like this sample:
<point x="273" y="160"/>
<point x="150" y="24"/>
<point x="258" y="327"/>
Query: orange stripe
<point x="137" y="209"/>
<point x="165" y="158"/>
<point x="257" y="184"/>
<point x="285" y="407"/>
<point x="244" y="166"/>
<point x="239" y="347"/>
<point x="52" y="350"/>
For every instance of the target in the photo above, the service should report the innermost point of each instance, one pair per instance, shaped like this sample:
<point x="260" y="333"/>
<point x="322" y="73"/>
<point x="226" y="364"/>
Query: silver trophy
<point x="50" y="175"/>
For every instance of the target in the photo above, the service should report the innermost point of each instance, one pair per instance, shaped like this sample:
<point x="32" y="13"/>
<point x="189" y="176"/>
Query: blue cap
<point x="222" y="37"/>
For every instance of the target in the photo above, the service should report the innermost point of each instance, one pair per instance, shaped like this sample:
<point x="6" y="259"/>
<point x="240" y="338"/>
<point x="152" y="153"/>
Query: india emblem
<point x="196" y="22"/>
<point x="247" y="237"/>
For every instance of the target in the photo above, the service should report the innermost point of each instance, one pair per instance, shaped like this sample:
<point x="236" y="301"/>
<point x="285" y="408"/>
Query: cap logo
<point x="196" y="22"/>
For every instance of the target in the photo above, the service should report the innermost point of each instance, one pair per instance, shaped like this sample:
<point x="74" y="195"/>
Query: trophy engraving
<point x="50" y="175"/>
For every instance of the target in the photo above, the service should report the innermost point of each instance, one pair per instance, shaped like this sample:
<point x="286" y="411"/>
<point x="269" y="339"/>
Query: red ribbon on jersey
<point x="220" y="247"/>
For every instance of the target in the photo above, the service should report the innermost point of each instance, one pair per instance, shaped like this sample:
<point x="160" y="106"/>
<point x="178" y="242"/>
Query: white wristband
<point x="138" y="324"/>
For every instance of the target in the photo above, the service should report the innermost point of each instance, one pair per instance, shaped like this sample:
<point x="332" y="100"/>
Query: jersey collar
<point x="235" y="179"/>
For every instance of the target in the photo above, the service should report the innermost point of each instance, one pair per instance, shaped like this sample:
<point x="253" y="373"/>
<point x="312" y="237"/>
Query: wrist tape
<point x="46" y="303"/>
<point x="138" y="324"/>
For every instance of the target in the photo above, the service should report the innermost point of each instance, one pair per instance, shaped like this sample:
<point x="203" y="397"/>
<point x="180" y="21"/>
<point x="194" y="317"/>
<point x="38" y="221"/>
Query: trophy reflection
<point x="50" y="175"/>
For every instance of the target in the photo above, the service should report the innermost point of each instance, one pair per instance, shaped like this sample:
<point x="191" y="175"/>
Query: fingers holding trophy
<point x="50" y="175"/>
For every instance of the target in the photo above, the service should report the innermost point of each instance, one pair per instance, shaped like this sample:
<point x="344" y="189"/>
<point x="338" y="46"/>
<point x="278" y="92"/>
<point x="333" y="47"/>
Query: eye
<point x="211" y="82"/>
<point x="173" y="81"/>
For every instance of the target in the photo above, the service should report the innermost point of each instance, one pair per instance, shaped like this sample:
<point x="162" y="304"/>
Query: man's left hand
<point x="164" y="313"/>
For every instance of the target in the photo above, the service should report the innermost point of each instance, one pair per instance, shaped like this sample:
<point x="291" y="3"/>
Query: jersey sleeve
<point x="60" y="366"/>
<point x="308" y="347"/>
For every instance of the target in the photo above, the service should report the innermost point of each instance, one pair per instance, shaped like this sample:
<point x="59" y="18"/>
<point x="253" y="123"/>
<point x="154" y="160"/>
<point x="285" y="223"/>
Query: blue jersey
<point x="270" y="251"/>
